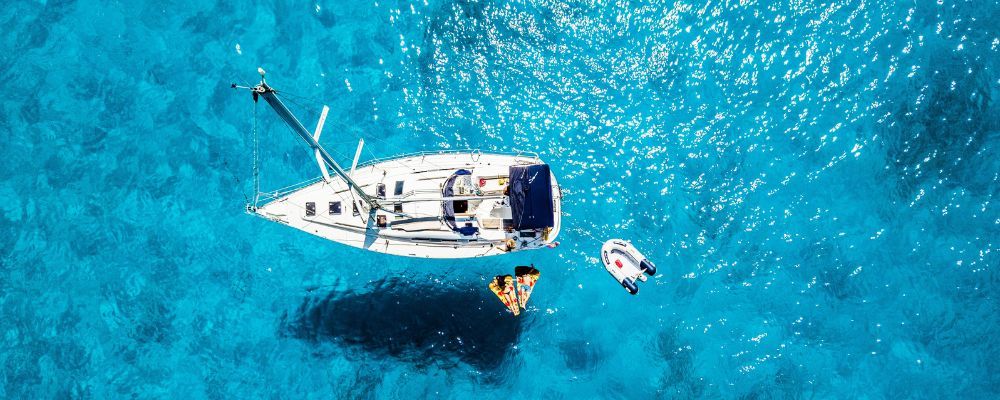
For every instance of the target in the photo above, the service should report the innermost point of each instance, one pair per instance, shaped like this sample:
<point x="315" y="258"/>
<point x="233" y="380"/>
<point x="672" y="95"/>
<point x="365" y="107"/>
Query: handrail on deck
<point x="473" y="152"/>
<point x="276" y="194"/>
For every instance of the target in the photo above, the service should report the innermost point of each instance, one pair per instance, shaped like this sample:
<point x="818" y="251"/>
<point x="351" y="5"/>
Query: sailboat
<point x="437" y="204"/>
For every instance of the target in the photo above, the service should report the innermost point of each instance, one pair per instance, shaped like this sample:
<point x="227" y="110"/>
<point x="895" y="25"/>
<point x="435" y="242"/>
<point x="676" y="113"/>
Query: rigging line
<point x="393" y="160"/>
<point x="303" y="108"/>
<point x="357" y="135"/>
<point x="398" y="159"/>
<point x="384" y="142"/>
<point x="301" y="102"/>
<point x="256" y="165"/>
<point x="312" y="100"/>
<point x="234" y="78"/>
<point x="311" y="151"/>
<point x="311" y="115"/>
<point x="239" y="183"/>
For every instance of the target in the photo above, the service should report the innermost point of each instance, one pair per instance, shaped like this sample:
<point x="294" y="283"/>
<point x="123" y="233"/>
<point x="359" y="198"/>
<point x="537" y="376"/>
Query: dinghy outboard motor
<point x="630" y="286"/>
<point x="648" y="266"/>
<point x="626" y="264"/>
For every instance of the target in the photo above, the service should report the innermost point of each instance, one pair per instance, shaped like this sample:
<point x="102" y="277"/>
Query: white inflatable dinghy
<point x="626" y="264"/>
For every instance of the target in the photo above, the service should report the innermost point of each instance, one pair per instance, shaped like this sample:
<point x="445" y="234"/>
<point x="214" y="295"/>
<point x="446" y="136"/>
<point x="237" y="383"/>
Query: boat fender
<point x="630" y="285"/>
<point x="648" y="266"/>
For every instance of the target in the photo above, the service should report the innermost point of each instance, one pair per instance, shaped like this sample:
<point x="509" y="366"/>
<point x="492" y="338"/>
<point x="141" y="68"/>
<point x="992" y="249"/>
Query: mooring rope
<point x="586" y="233"/>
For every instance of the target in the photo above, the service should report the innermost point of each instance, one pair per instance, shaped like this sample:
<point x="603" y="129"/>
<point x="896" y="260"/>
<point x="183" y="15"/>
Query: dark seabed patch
<point x="420" y="323"/>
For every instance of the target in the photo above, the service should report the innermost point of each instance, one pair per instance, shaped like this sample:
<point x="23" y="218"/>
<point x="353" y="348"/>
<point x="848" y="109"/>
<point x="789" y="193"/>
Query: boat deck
<point x="412" y="221"/>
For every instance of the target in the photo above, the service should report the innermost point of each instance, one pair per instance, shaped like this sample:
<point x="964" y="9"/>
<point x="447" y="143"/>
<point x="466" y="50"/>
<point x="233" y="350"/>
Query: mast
<point x="269" y="95"/>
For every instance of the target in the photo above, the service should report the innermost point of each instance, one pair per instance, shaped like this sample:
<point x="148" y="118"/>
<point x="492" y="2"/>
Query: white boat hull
<point x="413" y="184"/>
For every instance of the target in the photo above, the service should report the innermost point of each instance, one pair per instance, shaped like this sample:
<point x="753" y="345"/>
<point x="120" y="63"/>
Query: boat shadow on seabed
<point x="423" y="323"/>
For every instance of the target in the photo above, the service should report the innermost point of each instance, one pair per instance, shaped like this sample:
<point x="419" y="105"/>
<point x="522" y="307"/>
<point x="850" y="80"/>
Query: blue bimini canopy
<point x="531" y="196"/>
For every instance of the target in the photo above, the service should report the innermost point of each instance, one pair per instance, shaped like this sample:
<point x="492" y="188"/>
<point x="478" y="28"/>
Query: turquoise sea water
<point x="816" y="181"/>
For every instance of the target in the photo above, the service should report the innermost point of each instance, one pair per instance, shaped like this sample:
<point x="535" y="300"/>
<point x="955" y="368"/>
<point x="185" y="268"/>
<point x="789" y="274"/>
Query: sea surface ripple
<point x="816" y="180"/>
